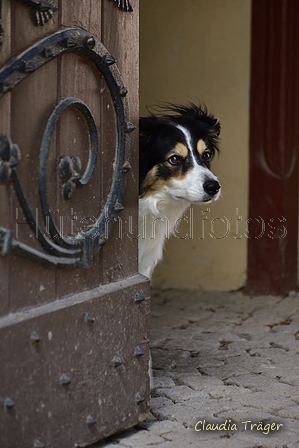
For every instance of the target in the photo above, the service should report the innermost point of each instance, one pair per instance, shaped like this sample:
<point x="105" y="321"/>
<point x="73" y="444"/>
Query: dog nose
<point x="211" y="187"/>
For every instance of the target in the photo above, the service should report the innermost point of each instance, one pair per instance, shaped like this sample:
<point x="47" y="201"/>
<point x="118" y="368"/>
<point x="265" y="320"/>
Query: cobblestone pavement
<point x="221" y="358"/>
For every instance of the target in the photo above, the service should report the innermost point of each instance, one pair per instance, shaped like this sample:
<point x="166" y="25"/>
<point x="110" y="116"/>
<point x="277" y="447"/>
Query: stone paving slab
<point x="226" y="359"/>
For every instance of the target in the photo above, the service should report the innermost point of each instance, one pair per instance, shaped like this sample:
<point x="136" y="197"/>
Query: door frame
<point x="274" y="139"/>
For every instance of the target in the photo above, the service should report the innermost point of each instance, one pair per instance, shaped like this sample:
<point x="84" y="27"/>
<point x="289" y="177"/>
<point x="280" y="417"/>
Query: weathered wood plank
<point x="32" y="103"/>
<point x="84" y="14"/>
<point x="55" y="413"/>
<point x="26" y="32"/>
<point x="79" y="78"/>
<point x="120" y="254"/>
<point x="5" y="106"/>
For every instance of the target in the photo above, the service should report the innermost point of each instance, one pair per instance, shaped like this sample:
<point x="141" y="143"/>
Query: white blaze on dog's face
<point x="198" y="184"/>
<point x="175" y="156"/>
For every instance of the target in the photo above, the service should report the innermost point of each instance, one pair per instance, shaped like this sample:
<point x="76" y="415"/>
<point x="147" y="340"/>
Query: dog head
<point x="175" y="153"/>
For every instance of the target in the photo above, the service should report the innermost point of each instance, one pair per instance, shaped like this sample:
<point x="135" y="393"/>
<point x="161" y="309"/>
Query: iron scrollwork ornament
<point x="61" y="250"/>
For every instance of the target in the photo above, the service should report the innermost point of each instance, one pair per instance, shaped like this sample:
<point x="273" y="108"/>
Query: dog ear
<point x="147" y="126"/>
<point x="215" y="129"/>
<point x="148" y="129"/>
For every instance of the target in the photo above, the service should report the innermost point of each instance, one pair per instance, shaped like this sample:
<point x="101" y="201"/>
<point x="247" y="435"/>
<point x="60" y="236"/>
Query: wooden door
<point x="74" y="312"/>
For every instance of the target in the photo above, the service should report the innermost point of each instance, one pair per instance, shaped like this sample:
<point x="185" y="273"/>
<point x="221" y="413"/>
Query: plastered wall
<point x="199" y="51"/>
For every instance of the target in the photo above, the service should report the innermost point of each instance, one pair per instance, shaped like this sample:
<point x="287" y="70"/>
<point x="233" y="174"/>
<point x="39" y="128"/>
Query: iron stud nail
<point x="109" y="60"/>
<point x="9" y="403"/>
<point x="71" y="42"/>
<point x="130" y="127"/>
<point x="126" y="167"/>
<point x="123" y="91"/>
<point x="102" y="240"/>
<point x="139" y="297"/>
<point x="48" y="53"/>
<point x="38" y="444"/>
<point x="5" y="239"/>
<point x="139" y="398"/>
<point x="118" y="207"/>
<point x="91" y="42"/>
<point x="90" y="420"/>
<point x="6" y="87"/>
<point x="29" y="67"/>
<point x="65" y="380"/>
<point x="138" y="352"/>
<point x="89" y="319"/>
<point x="116" y="361"/>
<point x="34" y="338"/>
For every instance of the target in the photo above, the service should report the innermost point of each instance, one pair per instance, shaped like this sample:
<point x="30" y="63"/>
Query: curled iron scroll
<point x="64" y="251"/>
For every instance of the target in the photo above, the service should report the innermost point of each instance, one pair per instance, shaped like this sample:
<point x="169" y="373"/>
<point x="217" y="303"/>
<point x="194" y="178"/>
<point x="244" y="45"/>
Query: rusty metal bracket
<point x="61" y="250"/>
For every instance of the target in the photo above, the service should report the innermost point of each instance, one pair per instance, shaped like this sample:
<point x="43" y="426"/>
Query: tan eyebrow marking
<point x="181" y="150"/>
<point x="201" y="147"/>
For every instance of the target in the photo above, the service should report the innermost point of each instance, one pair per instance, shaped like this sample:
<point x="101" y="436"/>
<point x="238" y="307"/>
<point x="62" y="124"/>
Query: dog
<point x="175" y="152"/>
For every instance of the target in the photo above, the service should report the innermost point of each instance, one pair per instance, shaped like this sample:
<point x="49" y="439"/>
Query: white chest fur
<point x="158" y="215"/>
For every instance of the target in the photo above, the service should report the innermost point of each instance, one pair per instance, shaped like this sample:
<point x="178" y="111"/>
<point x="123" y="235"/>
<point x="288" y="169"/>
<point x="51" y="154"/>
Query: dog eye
<point x="206" y="156"/>
<point x="175" y="160"/>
